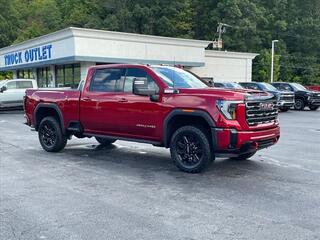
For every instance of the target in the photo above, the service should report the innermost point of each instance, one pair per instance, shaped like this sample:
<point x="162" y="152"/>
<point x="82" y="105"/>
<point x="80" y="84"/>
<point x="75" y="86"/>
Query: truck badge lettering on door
<point x="145" y="126"/>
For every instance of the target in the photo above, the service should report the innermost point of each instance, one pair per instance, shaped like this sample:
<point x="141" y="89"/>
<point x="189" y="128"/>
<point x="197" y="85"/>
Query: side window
<point x="277" y="86"/>
<point x="219" y="85"/>
<point x="286" y="87"/>
<point x="107" y="80"/>
<point x="254" y="87"/>
<point x="24" y="84"/>
<point x="247" y="86"/>
<point x="133" y="73"/>
<point x="12" y="85"/>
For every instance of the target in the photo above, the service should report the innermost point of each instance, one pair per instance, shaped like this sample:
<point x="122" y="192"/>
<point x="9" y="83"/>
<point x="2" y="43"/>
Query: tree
<point x="255" y="23"/>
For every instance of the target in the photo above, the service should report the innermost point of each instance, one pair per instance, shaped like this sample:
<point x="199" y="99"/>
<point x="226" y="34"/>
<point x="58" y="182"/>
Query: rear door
<point x="100" y="102"/>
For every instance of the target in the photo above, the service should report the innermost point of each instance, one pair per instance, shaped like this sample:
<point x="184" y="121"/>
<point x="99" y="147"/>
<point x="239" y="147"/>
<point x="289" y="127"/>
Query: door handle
<point x="123" y="100"/>
<point x="86" y="99"/>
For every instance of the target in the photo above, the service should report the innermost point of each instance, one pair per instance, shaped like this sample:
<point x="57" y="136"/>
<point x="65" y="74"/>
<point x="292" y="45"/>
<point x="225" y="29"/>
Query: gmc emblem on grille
<point x="266" y="106"/>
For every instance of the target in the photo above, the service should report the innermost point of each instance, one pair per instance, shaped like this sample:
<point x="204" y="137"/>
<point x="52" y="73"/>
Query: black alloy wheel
<point x="190" y="149"/>
<point x="299" y="104"/>
<point x="50" y="135"/>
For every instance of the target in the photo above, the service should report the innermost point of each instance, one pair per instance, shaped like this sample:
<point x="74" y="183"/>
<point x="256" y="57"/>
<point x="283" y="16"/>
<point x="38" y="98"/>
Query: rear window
<point x="24" y="84"/>
<point x="107" y="80"/>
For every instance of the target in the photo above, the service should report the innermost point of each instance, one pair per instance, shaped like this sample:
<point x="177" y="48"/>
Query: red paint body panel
<point x="132" y="116"/>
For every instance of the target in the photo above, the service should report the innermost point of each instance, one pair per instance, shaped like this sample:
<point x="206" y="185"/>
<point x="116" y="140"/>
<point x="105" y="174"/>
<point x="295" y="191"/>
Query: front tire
<point x="105" y="141"/>
<point x="299" y="105"/>
<point x="314" y="108"/>
<point x="190" y="149"/>
<point x="50" y="135"/>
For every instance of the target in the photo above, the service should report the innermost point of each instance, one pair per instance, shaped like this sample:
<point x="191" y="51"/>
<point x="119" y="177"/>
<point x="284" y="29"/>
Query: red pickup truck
<point x="161" y="105"/>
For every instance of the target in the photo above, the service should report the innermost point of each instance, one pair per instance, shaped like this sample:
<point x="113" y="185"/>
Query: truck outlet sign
<point x="29" y="55"/>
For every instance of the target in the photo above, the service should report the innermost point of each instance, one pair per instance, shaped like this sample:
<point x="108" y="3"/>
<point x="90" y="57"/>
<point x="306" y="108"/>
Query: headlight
<point x="308" y="96"/>
<point x="228" y="108"/>
<point x="278" y="97"/>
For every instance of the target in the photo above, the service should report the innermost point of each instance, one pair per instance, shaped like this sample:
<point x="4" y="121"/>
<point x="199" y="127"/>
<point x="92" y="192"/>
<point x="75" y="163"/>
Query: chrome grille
<point x="288" y="98"/>
<point x="261" y="112"/>
<point x="315" y="97"/>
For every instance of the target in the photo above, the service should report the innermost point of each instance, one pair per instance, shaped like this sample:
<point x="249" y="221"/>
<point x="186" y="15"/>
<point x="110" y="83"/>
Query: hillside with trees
<point x="255" y="23"/>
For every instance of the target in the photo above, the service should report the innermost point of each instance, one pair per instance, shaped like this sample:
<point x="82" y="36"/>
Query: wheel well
<point x="43" y="112"/>
<point x="183" y="120"/>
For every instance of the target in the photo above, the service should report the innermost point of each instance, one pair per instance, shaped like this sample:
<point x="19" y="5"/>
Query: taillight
<point x="24" y="102"/>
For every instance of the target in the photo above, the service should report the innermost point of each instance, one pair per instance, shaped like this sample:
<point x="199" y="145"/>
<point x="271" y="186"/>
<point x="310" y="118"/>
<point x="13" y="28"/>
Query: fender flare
<point x="181" y="112"/>
<point x="52" y="106"/>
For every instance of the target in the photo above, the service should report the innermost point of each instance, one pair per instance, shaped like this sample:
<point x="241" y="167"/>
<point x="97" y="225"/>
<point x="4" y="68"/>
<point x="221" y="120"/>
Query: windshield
<point x="179" y="78"/>
<point x="232" y="85"/>
<point x="298" y="86"/>
<point x="268" y="87"/>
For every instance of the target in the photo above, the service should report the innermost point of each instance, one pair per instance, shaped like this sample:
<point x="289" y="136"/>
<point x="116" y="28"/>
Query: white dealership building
<point x="61" y="59"/>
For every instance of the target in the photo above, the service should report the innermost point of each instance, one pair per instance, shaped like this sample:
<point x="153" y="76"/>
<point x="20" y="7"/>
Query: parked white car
<point x="12" y="91"/>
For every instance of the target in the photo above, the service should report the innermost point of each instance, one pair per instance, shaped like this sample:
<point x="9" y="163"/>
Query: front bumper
<point x="314" y="102"/>
<point x="230" y="142"/>
<point x="285" y="104"/>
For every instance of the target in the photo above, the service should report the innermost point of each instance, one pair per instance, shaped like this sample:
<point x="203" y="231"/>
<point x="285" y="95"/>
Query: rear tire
<point x="299" y="105"/>
<point x="190" y="149"/>
<point x="105" y="141"/>
<point x="50" y="135"/>
<point x="314" y="108"/>
<point x="243" y="157"/>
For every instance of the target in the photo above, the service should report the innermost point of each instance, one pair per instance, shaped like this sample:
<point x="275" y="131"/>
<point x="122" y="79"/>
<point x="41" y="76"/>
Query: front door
<point x="139" y="117"/>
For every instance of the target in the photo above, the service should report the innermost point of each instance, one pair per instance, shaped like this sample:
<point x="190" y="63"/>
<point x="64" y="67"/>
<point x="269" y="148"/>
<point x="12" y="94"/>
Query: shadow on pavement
<point x="154" y="161"/>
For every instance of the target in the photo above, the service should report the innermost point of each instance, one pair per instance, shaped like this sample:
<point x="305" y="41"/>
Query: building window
<point x="44" y="77"/>
<point x="25" y="74"/>
<point x="68" y="75"/>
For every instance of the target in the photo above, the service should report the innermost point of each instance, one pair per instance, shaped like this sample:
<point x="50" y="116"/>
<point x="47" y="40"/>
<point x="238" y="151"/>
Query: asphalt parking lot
<point x="133" y="191"/>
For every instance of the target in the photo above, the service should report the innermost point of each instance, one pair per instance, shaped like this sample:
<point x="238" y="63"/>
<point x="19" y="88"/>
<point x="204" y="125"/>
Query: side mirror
<point x="140" y="87"/>
<point x="3" y="88"/>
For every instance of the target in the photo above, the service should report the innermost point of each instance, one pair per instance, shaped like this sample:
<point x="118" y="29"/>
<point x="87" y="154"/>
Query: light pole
<point x="272" y="58"/>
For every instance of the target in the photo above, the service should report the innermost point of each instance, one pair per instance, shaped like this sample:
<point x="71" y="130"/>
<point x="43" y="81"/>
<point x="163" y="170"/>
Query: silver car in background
<point x="12" y="92"/>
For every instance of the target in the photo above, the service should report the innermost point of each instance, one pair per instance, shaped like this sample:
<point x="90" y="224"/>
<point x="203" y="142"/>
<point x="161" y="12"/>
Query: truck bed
<point x="67" y="100"/>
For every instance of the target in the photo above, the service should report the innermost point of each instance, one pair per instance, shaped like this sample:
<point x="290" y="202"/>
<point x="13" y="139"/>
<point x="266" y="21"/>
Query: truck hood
<point x="227" y="94"/>
<point x="311" y="93"/>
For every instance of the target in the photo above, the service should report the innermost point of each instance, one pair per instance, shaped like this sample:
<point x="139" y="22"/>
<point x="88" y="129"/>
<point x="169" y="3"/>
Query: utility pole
<point x="222" y="28"/>
<point x="272" y="58"/>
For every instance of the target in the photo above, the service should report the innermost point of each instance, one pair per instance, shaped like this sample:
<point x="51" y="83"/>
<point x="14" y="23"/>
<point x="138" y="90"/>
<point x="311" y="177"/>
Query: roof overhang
<point x="227" y="54"/>
<point x="78" y="44"/>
